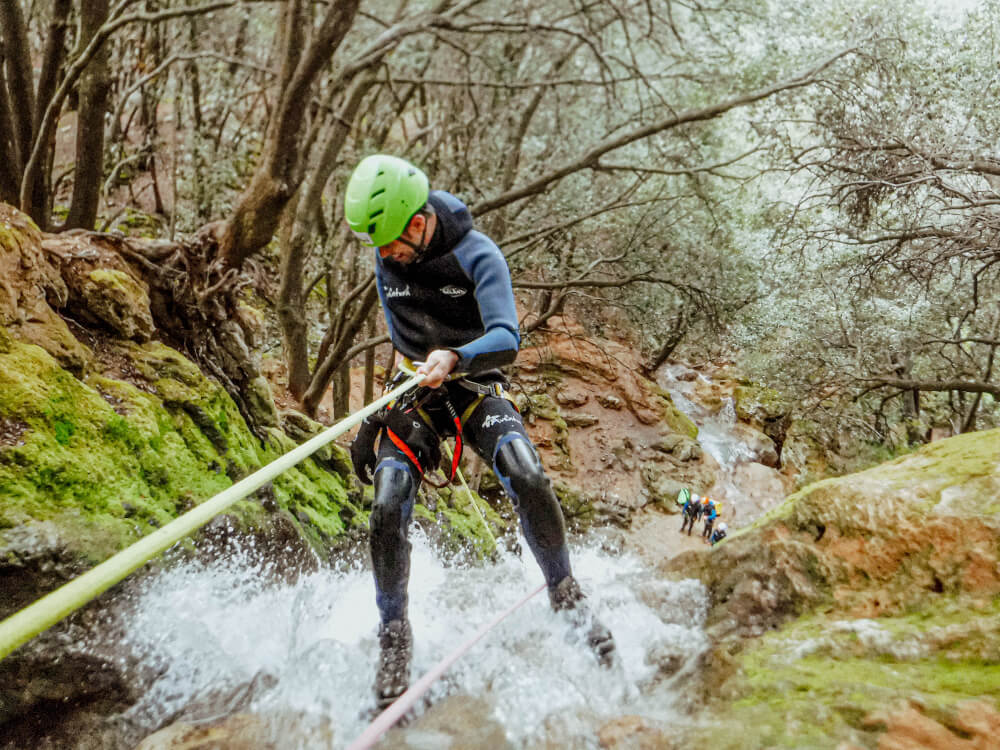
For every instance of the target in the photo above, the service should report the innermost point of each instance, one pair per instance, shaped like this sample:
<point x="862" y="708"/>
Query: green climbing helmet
<point x="383" y="194"/>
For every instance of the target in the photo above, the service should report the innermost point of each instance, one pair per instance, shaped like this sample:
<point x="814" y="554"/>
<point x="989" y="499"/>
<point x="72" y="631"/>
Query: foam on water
<point x="205" y="630"/>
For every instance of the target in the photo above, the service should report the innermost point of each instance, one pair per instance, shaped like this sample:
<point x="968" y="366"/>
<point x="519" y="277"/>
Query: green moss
<point x="956" y="476"/>
<point x="117" y="280"/>
<point x="757" y="402"/>
<point x="676" y="420"/>
<point x="811" y="684"/>
<point x="106" y="477"/>
<point x="464" y="523"/>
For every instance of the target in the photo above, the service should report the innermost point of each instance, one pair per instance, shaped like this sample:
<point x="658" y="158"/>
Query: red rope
<point x="384" y="721"/>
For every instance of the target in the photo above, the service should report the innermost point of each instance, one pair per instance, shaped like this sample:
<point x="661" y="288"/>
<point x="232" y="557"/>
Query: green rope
<point x="33" y="619"/>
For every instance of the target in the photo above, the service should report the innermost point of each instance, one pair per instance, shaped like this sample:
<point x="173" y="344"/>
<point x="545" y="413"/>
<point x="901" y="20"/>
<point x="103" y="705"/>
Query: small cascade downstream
<point x="215" y="640"/>
<point x="746" y="487"/>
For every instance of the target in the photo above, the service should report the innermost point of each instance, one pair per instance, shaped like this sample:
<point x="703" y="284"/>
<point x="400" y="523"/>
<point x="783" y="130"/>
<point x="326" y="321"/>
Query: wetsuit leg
<point x="395" y="489"/>
<point x="519" y="469"/>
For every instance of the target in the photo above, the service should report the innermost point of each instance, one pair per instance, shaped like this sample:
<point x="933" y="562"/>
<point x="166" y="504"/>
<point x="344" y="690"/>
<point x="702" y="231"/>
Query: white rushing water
<point x="715" y="430"/>
<point x="206" y="630"/>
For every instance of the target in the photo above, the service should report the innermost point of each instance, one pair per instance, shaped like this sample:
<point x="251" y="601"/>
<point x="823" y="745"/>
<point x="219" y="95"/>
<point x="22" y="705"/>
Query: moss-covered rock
<point x="673" y="418"/>
<point x="857" y="593"/>
<point x="758" y="404"/>
<point x="819" y="683"/>
<point x="95" y="464"/>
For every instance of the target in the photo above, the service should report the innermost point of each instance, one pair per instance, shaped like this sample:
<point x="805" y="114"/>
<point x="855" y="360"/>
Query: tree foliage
<point x="884" y="313"/>
<point x="623" y="154"/>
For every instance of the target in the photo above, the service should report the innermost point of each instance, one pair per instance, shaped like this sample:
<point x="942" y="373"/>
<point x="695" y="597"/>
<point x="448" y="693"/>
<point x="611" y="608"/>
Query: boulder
<point x="855" y="594"/>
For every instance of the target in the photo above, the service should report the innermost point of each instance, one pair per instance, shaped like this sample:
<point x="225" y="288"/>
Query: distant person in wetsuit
<point x="690" y="511"/>
<point x="719" y="534"/>
<point x="446" y="294"/>
<point x="709" y="512"/>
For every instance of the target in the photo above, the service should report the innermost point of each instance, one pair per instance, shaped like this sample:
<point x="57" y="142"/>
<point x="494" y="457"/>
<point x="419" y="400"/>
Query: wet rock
<point x="676" y="602"/>
<point x="662" y="486"/>
<point x="626" y="452"/>
<point x="634" y="733"/>
<point x="61" y="684"/>
<point x="758" y="404"/>
<point x="239" y="732"/>
<point x="459" y="722"/>
<point x="910" y="547"/>
<point x="975" y="725"/>
<point x="667" y="658"/>
<point x="35" y="558"/>
<point x="687" y="450"/>
<point x="762" y="489"/>
<point x="612" y="514"/>
<point x="610" y="401"/>
<point x="668" y="442"/>
<point x="757" y="444"/>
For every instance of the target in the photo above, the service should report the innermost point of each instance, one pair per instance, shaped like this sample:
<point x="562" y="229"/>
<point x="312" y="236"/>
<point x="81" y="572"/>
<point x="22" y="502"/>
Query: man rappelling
<point x="449" y="307"/>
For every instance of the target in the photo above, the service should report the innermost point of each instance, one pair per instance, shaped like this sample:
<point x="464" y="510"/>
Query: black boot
<point x="567" y="597"/>
<point x="395" y="639"/>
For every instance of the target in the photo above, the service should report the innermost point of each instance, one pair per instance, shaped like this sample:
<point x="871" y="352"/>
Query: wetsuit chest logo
<point x="398" y="292"/>
<point x="453" y="291"/>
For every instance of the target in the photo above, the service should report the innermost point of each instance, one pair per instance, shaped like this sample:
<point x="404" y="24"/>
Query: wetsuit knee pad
<point x="518" y="467"/>
<point x="520" y="470"/>
<point x="393" y="502"/>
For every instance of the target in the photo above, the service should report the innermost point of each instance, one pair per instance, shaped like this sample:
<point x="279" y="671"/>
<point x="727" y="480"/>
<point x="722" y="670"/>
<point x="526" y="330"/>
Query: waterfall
<point x="301" y="656"/>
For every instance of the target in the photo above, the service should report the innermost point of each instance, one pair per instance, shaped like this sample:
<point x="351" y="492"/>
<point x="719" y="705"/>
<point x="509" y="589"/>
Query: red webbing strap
<point x="398" y="442"/>
<point x="457" y="455"/>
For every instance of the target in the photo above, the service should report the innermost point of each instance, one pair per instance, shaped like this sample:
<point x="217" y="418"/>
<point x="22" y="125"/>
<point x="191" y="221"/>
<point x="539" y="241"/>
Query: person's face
<point x="404" y="249"/>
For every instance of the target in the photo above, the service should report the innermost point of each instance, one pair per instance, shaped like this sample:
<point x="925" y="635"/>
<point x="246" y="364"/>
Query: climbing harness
<point x="395" y="711"/>
<point x="415" y="401"/>
<point x="25" y="624"/>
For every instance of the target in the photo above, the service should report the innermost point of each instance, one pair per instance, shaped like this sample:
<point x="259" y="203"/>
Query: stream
<point x="300" y="657"/>
<point x="224" y="648"/>
<point x="746" y="487"/>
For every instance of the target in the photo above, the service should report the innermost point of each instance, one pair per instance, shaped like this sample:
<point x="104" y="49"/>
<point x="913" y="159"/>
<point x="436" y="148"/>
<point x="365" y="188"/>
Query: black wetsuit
<point x="457" y="296"/>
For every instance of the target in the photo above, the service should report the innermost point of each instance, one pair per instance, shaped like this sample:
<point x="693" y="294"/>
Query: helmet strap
<point x="419" y="247"/>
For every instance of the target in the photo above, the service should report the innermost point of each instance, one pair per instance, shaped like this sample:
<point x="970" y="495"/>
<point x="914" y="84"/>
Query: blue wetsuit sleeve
<point x="485" y="265"/>
<point x="380" y="287"/>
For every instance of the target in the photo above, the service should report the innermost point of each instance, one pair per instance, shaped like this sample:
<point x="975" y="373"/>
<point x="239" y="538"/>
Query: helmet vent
<point x="378" y="192"/>
<point x="375" y="213"/>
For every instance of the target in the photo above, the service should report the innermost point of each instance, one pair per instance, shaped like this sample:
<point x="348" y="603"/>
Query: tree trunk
<point x="336" y="352"/>
<point x="291" y="307"/>
<point x="675" y="335"/>
<point x="9" y="182"/>
<point x="342" y="391"/>
<point x="295" y="245"/>
<point x="258" y="212"/>
<point x="19" y="80"/>
<point x="95" y="84"/>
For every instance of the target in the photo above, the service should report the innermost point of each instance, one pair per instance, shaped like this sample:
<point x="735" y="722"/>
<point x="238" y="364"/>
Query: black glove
<point x="363" y="449"/>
